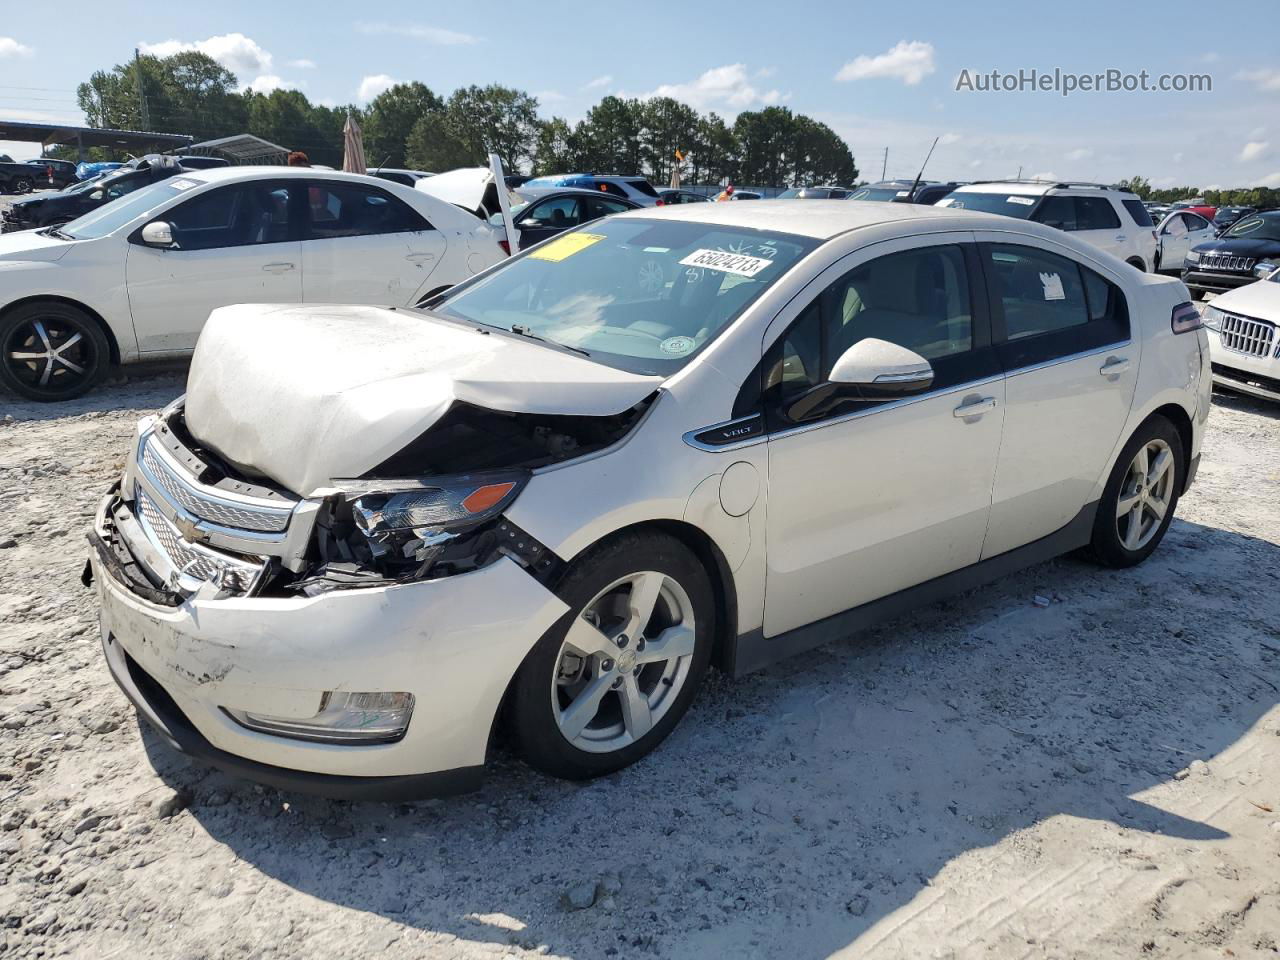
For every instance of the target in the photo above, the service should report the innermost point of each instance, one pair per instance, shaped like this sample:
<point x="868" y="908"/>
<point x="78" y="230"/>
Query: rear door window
<point x="558" y="213"/>
<point x="1059" y="212"/>
<point x="1046" y="307"/>
<point x="354" y="210"/>
<point x="1141" y="216"/>
<point x="643" y="186"/>
<point x="603" y="207"/>
<point x="1096" y="213"/>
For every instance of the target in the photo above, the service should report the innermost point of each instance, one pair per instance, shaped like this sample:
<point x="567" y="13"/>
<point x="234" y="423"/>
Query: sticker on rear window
<point x="563" y="247"/>
<point x="181" y="183"/>
<point x="1025" y="201"/>
<point x="1052" y="284"/>
<point x="726" y="262"/>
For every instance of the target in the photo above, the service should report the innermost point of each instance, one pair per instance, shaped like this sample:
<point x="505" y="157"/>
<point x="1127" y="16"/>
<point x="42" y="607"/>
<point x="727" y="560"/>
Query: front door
<point x="232" y="244"/>
<point x="869" y="498"/>
<point x="365" y="246"/>
<point x="1062" y="330"/>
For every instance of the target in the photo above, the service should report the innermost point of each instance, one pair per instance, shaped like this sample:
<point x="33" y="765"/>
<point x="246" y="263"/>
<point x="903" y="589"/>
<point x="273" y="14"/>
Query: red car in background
<point x="1196" y="206"/>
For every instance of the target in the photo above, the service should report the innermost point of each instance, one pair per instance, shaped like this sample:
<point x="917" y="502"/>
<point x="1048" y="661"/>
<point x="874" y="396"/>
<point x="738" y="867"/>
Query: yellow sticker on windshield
<point x="565" y="246"/>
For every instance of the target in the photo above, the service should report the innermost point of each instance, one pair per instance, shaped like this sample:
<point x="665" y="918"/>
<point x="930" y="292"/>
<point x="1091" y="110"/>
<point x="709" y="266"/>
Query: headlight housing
<point x="383" y="532"/>
<point x="1212" y="317"/>
<point x="1264" y="269"/>
<point x="1193" y="257"/>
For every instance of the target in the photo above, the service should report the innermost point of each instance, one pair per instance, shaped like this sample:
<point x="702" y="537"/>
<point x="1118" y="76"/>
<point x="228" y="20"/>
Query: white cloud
<point x="434" y="35"/>
<point x="1084" y="153"/>
<point x="1177" y="157"/>
<point x="10" y="47"/>
<point x="269" y="81"/>
<point x="764" y="73"/>
<point x="303" y="64"/>
<point x="1253" y="150"/>
<point x="909" y="61"/>
<point x="947" y="139"/>
<point x="373" y="85"/>
<point x="598" y="82"/>
<point x="1270" y="180"/>
<point x="1048" y="175"/>
<point x="238" y="53"/>
<point x="1211" y="56"/>
<point x="1267" y="79"/>
<point x="726" y="87"/>
<point x="550" y="96"/>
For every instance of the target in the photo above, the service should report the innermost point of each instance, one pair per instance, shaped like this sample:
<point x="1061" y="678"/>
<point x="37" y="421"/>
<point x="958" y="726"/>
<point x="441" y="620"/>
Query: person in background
<point x="726" y="193"/>
<point x="298" y="159"/>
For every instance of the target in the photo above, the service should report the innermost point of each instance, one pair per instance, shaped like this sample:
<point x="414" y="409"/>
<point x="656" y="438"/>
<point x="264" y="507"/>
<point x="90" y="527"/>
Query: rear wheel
<point x="1140" y="497"/>
<point x="51" y="351"/>
<point x="20" y="185"/>
<point x="613" y="677"/>
<point x="1137" y="264"/>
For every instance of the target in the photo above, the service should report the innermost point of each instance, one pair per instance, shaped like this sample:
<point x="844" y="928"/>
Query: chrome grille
<point x="207" y="506"/>
<point x="196" y="562"/>
<point x="1226" y="262"/>
<point x="1250" y="337"/>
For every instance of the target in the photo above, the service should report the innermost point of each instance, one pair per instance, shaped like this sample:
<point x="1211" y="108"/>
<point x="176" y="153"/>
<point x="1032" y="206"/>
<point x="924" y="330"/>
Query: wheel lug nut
<point x="622" y="640"/>
<point x="606" y="665"/>
<point x="617" y="683"/>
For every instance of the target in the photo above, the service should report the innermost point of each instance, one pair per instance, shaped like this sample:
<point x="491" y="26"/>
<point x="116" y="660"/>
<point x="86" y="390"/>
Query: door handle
<point x="975" y="408"/>
<point x="419" y="257"/>
<point x="277" y="267"/>
<point x="1122" y="238"/>
<point x="1114" y="366"/>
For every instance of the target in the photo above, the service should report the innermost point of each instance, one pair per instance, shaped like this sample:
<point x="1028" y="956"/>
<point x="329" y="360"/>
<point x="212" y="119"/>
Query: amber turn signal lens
<point x="486" y="497"/>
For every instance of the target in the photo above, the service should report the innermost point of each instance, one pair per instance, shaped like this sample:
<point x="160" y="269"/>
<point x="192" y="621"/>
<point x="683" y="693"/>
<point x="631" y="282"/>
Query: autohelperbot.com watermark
<point x="1065" y="82"/>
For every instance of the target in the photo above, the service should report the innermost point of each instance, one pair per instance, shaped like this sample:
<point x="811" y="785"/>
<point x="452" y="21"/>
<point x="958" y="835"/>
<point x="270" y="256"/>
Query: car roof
<point x="221" y="174"/>
<point x="1038" y="188"/>
<point x="819" y="219"/>
<point x="537" y="193"/>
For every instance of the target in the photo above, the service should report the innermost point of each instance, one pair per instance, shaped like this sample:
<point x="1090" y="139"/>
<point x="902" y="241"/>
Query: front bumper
<point x="454" y="643"/>
<point x="1243" y="372"/>
<point x="1205" y="281"/>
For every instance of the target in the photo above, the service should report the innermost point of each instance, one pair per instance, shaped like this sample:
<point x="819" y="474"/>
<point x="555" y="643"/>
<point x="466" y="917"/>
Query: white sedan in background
<point x="137" y="278"/>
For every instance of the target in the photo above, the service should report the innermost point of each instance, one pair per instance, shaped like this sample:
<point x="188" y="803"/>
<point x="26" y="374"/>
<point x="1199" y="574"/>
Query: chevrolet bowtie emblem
<point x="190" y="532"/>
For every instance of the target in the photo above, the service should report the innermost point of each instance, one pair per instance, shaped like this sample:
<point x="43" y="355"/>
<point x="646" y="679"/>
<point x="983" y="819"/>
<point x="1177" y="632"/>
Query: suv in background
<point x="1111" y="219"/>
<point x="54" y="209"/>
<point x="636" y="189"/>
<point x="54" y="173"/>
<point x="400" y="175"/>
<point x="814" y="193"/>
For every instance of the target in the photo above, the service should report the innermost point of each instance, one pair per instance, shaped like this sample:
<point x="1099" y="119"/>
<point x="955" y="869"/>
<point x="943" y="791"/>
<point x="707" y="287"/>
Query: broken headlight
<point x="397" y="531"/>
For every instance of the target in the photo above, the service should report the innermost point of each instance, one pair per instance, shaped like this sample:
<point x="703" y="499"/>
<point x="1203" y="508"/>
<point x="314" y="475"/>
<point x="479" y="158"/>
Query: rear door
<point x="364" y="245"/>
<point x="233" y="244"/>
<point x="1061" y="330"/>
<point x="1099" y="224"/>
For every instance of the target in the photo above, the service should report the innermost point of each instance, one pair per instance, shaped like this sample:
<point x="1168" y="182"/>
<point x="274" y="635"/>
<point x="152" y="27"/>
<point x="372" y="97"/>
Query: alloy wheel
<point x="50" y="353"/>
<point x="1145" y="494"/>
<point x="623" y="662"/>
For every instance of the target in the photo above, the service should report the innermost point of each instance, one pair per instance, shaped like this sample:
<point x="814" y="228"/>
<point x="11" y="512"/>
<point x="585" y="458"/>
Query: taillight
<point x="659" y="203"/>
<point x="1186" y="318"/>
<point x="506" y="247"/>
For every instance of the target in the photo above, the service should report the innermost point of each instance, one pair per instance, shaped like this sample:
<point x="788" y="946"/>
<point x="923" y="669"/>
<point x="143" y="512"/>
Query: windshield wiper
<point x="55" y="232"/>
<point x="521" y="330"/>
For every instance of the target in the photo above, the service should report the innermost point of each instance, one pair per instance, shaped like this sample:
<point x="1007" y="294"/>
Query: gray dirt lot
<point x="986" y="778"/>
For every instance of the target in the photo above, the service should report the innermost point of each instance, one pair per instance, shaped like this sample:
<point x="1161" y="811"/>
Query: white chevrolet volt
<point x="704" y="435"/>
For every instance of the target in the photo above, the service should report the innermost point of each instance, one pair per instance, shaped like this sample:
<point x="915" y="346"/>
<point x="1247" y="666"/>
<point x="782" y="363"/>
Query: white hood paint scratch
<point x="308" y="394"/>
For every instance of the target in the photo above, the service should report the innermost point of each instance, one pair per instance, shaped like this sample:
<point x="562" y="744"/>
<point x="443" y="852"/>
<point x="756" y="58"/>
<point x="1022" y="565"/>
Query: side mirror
<point x="158" y="233"/>
<point x="871" y="369"/>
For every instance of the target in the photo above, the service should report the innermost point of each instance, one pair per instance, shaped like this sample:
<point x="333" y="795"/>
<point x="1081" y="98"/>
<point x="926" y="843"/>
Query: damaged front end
<point x="183" y="524"/>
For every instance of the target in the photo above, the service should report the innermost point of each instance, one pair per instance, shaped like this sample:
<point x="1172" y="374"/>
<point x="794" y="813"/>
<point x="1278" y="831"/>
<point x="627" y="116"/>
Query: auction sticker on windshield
<point x="726" y="262"/>
<point x="563" y="247"/>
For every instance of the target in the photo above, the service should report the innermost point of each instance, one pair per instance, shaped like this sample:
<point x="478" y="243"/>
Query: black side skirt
<point x="753" y="651"/>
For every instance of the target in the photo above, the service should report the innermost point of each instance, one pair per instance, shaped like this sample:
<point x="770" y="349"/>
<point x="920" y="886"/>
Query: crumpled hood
<point x="308" y="394"/>
<point x="30" y="246"/>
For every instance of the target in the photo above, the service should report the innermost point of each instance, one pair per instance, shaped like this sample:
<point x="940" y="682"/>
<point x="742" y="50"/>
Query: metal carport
<point x="51" y="134"/>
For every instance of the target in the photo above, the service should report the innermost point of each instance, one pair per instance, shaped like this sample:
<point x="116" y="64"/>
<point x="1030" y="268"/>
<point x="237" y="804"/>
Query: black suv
<point x="1229" y="260"/>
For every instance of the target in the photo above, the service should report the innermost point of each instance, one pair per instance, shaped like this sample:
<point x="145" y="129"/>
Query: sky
<point x="880" y="78"/>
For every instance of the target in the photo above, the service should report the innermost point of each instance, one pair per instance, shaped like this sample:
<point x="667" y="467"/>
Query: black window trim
<point x="750" y="401"/>
<point x="294" y="207"/>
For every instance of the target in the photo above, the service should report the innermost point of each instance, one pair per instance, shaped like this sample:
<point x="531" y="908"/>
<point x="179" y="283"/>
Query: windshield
<point x="1008" y="205"/>
<point x="113" y="215"/>
<point x="640" y="295"/>
<point x="1257" y="228"/>
<point x="879" y="193"/>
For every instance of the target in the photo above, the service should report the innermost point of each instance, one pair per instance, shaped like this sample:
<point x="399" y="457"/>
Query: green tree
<point x="555" y="150"/>
<point x="493" y="119"/>
<point x="432" y="145"/>
<point x="1139" y="185"/>
<point x="610" y="136"/>
<point x="667" y="125"/>
<point x="390" y="118"/>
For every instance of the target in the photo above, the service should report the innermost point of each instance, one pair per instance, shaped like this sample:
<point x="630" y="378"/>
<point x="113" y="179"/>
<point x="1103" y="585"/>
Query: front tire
<point x="51" y="351"/>
<point x="1140" y="497"/>
<point x="611" y="679"/>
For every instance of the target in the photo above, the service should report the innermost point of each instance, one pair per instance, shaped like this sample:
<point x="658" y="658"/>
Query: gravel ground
<point x="989" y="777"/>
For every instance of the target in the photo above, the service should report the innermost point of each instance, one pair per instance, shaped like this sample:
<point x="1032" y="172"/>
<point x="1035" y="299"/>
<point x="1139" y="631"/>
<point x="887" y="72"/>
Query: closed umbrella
<point x="352" y="146"/>
<point x="675" y="171"/>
